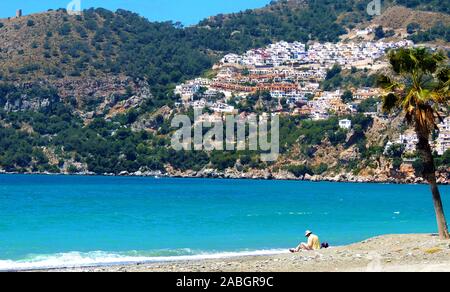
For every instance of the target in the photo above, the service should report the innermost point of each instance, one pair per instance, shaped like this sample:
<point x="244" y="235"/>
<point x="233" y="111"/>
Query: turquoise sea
<point x="54" y="221"/>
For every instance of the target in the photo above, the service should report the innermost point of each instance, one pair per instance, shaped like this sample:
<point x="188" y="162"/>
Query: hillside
<point x="118" y="49"/>
<point x="323" y="20"/>
<point x="102" y="52"/>
<point x="94" y="93"/>
<point x="398" y="17"/>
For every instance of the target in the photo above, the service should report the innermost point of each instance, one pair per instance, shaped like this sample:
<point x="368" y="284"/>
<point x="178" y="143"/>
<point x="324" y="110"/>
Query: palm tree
<point x="418" y="86"/>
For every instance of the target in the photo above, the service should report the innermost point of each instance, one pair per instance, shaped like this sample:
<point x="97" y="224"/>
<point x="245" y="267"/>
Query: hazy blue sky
<point x="186" y="11"/>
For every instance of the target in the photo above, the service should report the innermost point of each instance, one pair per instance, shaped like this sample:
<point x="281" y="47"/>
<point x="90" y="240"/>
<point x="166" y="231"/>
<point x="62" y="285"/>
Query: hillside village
<point x="292" y="74"/>
<point x="111" y="102"/>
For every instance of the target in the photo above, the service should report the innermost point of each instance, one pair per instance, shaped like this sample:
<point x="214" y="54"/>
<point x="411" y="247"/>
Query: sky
<point x="187" y="11"/>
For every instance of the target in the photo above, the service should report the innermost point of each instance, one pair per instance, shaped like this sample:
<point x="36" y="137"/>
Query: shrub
<point x="347" y="97"/>
<point x="321" y="169"/>
<point x="246" y="159"/>
<point x="65" y="29"/>
<point x="72" y="169"/>
<point x="300" y="170"/>
<point x="413" y="27"/>
<point x="444" y="160"/>
<point x="397" y="163"/>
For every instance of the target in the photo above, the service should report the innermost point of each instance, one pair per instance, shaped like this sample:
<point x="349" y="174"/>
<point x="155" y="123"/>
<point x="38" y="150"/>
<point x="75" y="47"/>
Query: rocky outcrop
<point x="152" y="121"/>
<point x="25" y="104"/>
<point x="27" y="97"/>
<point x="443" y="177"/>
<point x="233" y="173"/>
<point x="349" y="154"/>
<point x="111" y="95"/>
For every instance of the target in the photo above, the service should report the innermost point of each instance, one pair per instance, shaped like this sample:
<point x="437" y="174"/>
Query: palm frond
<point x="423" y="84"/>
<point x="440" y="97"/>
<point x="442" y="92"/>
<point x="443" y="74"/>
<point x="408" y="101"/>
<point x="387" y="83"/>
<point x="401" y="61"/>
<point x="424" y="95"/>
<point x="390" y="102"/>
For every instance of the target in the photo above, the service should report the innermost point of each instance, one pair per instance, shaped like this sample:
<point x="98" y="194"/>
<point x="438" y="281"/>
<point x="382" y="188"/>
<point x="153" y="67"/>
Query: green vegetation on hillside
<point x="428" y="5"/>
<point x="257" y="28"/>
<point x="111" y="146"/>
<point x="338" y="78"/>
<point x="438" y="32"/>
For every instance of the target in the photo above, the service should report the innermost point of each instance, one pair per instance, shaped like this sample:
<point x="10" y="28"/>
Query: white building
<point x="364" y="32"/>
<point x="187" y="90"/>
<point x="345" y="124"/>
<point x="443" y="140"/>
<point x="410" y="141"/>
<point x="222" y="108"/>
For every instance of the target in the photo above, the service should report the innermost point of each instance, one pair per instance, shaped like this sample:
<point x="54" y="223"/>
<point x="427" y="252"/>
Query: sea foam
<point x="100" y="258"/>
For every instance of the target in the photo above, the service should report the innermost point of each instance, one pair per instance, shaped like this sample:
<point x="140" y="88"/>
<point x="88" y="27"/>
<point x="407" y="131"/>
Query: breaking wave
<point x="100" y="258"/>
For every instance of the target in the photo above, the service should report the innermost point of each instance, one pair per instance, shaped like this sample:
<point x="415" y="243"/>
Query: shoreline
<point x="314" y="179"/>
<point x="396" y="253"/>
<point x="113" y="261"/>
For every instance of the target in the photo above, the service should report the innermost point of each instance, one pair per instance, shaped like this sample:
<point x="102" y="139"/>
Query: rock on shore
<point x="232" y="173"/>
<point x="443" y="177"/>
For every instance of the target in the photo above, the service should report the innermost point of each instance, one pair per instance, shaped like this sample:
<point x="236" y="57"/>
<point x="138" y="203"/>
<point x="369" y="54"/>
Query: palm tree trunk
<point x="429" y="173"/>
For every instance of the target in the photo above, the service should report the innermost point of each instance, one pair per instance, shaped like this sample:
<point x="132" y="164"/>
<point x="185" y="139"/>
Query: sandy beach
<point x="390" y="253"/>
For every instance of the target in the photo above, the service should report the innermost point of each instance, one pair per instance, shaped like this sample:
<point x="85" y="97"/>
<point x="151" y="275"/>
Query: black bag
<point x="325" y="245"/>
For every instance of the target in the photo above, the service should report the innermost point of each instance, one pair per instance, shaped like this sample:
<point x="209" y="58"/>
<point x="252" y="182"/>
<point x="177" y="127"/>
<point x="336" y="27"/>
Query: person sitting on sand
<point x="313" y="243"/>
